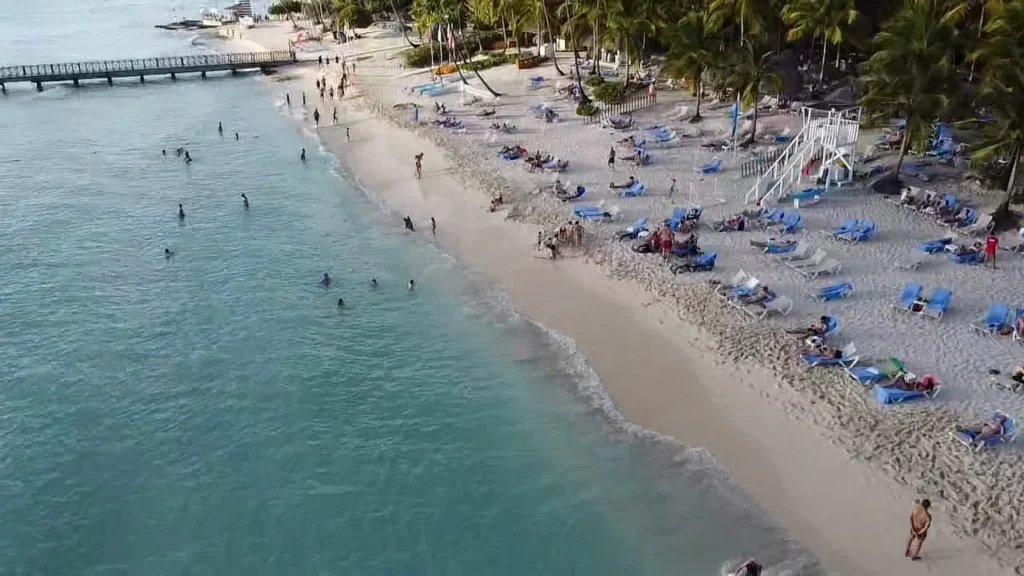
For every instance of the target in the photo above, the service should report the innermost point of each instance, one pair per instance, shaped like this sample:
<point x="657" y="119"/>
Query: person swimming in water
<point x="326" y="280"/>
<point x="373" y="282"/>
<point x="168" y="253"/>
<point x="412" y="285"/>
<point x="188" y="157"/>
<point x="303" y="155"/>
<point x="181" y="212"/>
<point x="245" y="201"/>
<point x="341" y="302"/>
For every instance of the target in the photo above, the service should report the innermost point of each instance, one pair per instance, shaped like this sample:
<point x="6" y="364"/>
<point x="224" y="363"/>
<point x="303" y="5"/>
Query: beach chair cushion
<point x="896" y="395"/>
<point x="835" y="291"/>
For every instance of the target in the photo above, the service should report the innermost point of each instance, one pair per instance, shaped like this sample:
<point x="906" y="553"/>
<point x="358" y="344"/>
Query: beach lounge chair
<point x="534" y="82"/>
<point x="801" y="252"/>
<point x="636" y="190"/>
<point x="555" y="165"/>
<point x="578" y="193"/>
<point x="703" y="263"/>
<point x="746" y="286"/>
<point x="713" y="167"/>
<point x="874" y="374"/>
<point x="781" y="305"/>
<point x="806" y="197"/>
<point x="982" y="225"/>
<point x="967" y="437"/>
<point x="790" y="222"/>
<point x="682" y="214"/>
<point x="845" y="228"/>
<point x="933" y="246"/>
<point x="814" y="261"/>
<point x="908" y="297"/>
<point x="937" y="303"/>
<point x="829" y="267"/>
<point x="634" y="230"/>
<point x="771" y="217"/>
<point x="774" y="249"/>
<point x="847" y="360"/>
<point x="865" y="230"/>
<point x="969" y="258"/>
<point x="995" y="319"/>
<point x="835" y="291"/>
<point x="886" y="395"/>
<point x="738" y="279"/>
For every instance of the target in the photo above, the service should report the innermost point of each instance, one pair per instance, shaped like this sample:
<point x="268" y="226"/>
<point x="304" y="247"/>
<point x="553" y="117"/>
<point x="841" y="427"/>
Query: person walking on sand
<point x="920" y="522"/>
<point x="672" y="188"/>
<point x="303" y="97"/>
<point x="419" y="165"/>
<point x="181" y="212"/>
<point x="611" y="158"/>
<point x="288" y="99"/>
<point x="433" y="226"/>
<point x="348" y="134"/>
<point x="540" y="238"/>
<point x="316" y="117"/>
<point x="320" y="61"/>
<point x="303" y="155"/>
<point x="335" y="114"/>
<point x="991" y="245"/>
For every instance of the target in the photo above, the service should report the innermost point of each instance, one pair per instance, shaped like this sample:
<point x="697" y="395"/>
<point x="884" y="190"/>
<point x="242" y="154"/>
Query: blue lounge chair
<point x="874" y="374"/>
<point x="846" y="227"/>
<point x="663" y="138"/>
<point x="831" y="325"/>
<point x="847" y="360"/>
<point x="969" y="258"/>
<point x="933" y="246"/>
<point x="968" y="437"/>
<point x="808" y="194"/>
<point x="773" y="248"/>
<point x="773" y="217"/>
<point x="681" y="214"/>
<point x="637" y="189"/>
<point x="703" y="263"/>
<point x="943" y="150"/>
<point x="713" y="167"/>
<point x="864" y="231"/>
<point x="790" y="222"/>
<point x="937" y="303"/>
<point x="633" y="231"/>
<point x="589" y="212"/>
<point x="896" y="395"/>
<point x="908" y="297"/>
<point x="834" y="291"/>
<point x="997" y="316"/>
<point x="580" y="191"/>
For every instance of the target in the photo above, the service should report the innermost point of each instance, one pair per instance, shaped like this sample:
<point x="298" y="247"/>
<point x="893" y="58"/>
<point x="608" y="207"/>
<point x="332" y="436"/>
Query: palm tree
<point x="747" y="13"/>
<point x="573" y="21"/>
<point x="1001" y="54"/>
<point x="693" y="46"/>
<point x="827" y="19"/>
<point x="749" y="73"/>
<point x="911" y="71"/>
<point x="627" y="24"/>
<point x="542" y="8"/>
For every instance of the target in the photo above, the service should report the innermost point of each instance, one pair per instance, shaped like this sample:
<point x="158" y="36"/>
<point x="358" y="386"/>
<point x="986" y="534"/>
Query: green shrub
<point x="490" y="61"/>
<point x="609" y="92"/>
<point x="593" y="81"/>
<point x="586" y="109"/>
<point x="417" y="57"/>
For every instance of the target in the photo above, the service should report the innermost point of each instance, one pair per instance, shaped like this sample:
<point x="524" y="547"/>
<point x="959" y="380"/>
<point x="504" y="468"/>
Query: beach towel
<point x="847" y="360"/>
<point x="773" y="248"/>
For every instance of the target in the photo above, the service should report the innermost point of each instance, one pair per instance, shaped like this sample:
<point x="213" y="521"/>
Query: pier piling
<point x="173" y="77"/>
<point x="142" y="79"/>
<point x="75" y="82"/>
<point x="39" y="86"/>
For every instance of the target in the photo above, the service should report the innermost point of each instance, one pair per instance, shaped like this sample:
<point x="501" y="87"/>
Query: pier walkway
<point x="142" y="67"/>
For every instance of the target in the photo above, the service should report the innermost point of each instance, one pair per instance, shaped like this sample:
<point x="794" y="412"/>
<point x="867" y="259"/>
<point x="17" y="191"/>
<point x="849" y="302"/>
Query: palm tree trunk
<point x="904" y="145"/>
<point x="401" y="23"/>
<point x="551" y="38"/>
<point x="596" y="69"/>
<point x="981" y="24"/>
<point x="504" y="32"/>
<point x="838" y="51"/>
<point x="753" y="121"/>
<point x="1004" y="206"/>
<point x="821" y="73"/>
<point x="700" y="92"/>
<point x="461" y="54"/>
<point x="626" y="46"/>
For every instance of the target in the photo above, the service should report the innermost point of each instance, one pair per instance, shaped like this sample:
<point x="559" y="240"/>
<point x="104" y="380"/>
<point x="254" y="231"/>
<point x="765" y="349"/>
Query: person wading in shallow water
<point x="303" y="155"/>
<point x="920" y="522"/>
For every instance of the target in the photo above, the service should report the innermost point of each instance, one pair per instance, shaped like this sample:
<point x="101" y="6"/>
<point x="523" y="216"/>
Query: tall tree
<point x="693" y="47"/>
<point x="825" y="19"/>
<point x="911" y="72"/>
<point x="1001" y="55"/>
<point x="750" y="73"/>
<point x="626" y="23"/>
<point x="746" y="13"/>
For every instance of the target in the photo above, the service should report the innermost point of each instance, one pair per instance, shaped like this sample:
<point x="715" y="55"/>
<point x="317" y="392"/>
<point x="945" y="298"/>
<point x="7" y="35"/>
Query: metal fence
<point x="637" y="101"/>
<point x="142" y="65"/>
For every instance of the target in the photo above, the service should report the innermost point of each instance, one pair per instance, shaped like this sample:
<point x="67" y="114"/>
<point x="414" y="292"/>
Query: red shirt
<point x="991" y="244"/>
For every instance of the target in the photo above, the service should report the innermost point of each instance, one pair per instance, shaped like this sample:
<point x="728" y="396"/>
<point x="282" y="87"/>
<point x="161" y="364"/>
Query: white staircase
<point x="826" y="136"/>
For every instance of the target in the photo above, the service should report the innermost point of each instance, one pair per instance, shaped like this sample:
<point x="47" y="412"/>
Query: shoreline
<point x="655" y="365"/>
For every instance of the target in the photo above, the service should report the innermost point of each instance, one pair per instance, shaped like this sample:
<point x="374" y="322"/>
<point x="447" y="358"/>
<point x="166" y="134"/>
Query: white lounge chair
<point x="830" y="266"/>
<point x="780" y="304"/>
<point x="812" y="262"/>
<point x="740" y="280"/>
<point x="982" y="225"/>
<point x="801" y="252"/>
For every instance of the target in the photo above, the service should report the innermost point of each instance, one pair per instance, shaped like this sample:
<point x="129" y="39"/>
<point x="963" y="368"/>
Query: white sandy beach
<point x="836" y="469"/>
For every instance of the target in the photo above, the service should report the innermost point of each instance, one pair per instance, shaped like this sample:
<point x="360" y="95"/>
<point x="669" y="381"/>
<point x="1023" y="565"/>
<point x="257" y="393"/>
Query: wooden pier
<point x="142" y="67"/>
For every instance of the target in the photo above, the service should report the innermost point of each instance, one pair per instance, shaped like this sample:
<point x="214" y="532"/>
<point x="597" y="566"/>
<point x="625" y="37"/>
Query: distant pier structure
<point x="142" y="67"/>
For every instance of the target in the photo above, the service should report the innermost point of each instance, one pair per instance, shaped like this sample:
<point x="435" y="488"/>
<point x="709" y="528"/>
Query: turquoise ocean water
<point x="214" y="413"/>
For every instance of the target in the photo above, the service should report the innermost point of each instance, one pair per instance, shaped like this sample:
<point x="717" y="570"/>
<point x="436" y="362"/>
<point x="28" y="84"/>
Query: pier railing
<point x="632" y="103"/>
<point x="142" y="65"/>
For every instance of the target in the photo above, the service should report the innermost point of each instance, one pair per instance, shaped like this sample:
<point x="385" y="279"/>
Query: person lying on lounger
<point x="760" y="295"/>
<point x="771" y="242"/>
<point x="487" y="112"/>
<point x="817" y="328"/>
<point x="627" y="184"/>
<point x="959" y="218"/>
<point x="911" y="383"/>
<point x="965" y="250"/>
<point x="818" y="348"/>
<point x="991" y="428"/>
